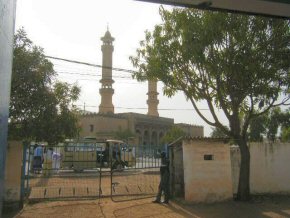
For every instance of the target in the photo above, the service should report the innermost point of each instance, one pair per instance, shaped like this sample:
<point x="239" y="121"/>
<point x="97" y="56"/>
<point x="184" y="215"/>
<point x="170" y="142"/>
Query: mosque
<point x="148" y="129"/>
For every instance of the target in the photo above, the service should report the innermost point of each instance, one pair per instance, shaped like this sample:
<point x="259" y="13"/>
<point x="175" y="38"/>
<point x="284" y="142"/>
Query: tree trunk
<point x="244" y="178"/>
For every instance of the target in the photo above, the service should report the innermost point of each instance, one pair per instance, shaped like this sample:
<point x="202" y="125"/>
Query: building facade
<point x="148" y="129"/>
<point x="191" y="130"/>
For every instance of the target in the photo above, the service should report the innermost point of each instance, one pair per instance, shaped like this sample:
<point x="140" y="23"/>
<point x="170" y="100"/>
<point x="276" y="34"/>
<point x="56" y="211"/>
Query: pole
<point x="25" y="168"/>
<point x="7" y="23"/>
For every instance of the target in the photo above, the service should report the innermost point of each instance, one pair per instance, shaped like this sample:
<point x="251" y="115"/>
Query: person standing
<point x="37" y="158"/>
<point x="56" y="159"/>
<point x="164" y="180"/>
<point x="47" y="164"/>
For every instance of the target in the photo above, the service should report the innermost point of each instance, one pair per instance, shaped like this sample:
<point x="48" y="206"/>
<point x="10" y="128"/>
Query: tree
<point x="236" y="63"/>
<point x="269" y="125"/>
<point x="39" y="109"/>
<point x="273" y="124"/>
<point x="258" y="127"/>
<point x="218" y="133"/>
<point x="285" y="126"/>
<point x="173" y="134"/>
<point x="285" y="134"/>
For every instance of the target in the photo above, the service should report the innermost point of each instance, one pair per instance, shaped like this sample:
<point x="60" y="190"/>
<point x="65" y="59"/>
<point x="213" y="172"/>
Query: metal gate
<point x="61" y="172"/>
<point x="140" y="178"/>
<point x="82" y="171"/>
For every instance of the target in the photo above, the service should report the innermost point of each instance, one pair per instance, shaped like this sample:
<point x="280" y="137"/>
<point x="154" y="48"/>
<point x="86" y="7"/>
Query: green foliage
<point x="218" y="133"/>
<point x="268" y="124"/>
<point x="238" y="64"/>
<point x="273" y="123"/>
<point x="173" y="134"/>
<point x="258" y="127"/>
<point x="285" y="125"/>
<point x="39" y="109"/>
<point x="285" y="135"/>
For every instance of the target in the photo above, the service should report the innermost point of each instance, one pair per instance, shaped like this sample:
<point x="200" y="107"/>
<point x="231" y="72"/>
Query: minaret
<point x="107" y="91"/>
<point x="152" y="98"/>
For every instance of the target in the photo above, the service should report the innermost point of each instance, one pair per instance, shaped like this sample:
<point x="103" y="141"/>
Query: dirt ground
<point x="260" y="206"/>
<point x="143" y="181"/>
<point x="129" y="184"/>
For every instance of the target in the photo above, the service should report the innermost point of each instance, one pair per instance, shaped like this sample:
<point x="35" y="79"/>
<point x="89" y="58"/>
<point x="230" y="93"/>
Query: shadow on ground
<point x="10" y="211"/>
<point x="260" y="206"/>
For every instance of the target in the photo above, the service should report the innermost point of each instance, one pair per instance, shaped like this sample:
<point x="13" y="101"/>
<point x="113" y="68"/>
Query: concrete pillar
<point x="7" y="23"/>
<point x="13" y="173"/>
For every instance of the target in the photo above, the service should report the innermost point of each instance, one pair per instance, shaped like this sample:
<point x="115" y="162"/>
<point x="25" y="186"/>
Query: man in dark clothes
<point x="164" y="181"/>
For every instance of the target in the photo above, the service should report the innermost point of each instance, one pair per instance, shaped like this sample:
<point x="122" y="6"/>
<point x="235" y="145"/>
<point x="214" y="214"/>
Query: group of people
<point x="45" y="160"/>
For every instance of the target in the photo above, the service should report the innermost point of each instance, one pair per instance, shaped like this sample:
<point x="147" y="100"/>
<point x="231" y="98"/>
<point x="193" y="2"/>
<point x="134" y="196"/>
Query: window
<point x="91" y="128"/>
<point x="208" y="157"/>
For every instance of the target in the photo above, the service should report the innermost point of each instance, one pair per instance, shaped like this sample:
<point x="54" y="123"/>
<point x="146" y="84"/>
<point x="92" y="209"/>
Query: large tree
<point x="40" y="106"/>
<point x="173" y="133"/>
<point x="270" y="124"/>
<point x="218" y="133"/>
<point x="285" y="126"/>
<point x="238" y="64"/>
<point x="258" y="128"/>
<point x="274" y="121"/>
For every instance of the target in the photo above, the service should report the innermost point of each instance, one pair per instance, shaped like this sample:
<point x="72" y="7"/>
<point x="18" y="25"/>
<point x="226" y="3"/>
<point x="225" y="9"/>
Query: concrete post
<point x="7" y="23"/>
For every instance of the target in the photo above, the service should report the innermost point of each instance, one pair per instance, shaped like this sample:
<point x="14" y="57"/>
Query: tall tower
<point x="107" y="91"/>
<point x="152" y="98"/>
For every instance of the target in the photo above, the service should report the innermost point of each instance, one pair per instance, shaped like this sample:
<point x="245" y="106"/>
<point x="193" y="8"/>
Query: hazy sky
<point x="72" y="29"/>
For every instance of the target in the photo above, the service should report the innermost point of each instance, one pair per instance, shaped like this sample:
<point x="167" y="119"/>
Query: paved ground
<point x="263" y="207"/>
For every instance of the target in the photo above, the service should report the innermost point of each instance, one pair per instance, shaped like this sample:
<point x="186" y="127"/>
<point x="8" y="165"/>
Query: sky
<point x="71" y="29"/>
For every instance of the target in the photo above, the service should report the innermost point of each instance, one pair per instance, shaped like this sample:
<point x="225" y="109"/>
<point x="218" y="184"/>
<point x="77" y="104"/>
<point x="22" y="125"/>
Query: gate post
<point x="100" y="176"/>
<point x="7" y="22"/>
<point x="23" y="172"/>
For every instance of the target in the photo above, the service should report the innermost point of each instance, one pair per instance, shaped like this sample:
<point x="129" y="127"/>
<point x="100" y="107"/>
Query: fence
<point x="90" y="170"/>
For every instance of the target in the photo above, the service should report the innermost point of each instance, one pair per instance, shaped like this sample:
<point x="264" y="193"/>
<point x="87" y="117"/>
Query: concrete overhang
<point x="272" y="8"/>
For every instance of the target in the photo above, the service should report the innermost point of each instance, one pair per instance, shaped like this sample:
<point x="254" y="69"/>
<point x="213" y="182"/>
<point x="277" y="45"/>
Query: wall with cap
<point x="269" y="168"/>
<point x="207" y="171"/>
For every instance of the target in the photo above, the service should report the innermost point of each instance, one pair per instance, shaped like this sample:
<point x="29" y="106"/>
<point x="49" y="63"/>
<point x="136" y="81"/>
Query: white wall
<point x="207" y="180"/>
<point x="269" y="168"/>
